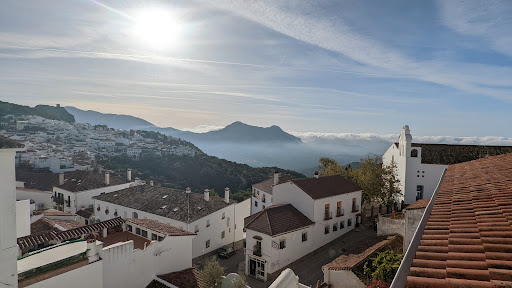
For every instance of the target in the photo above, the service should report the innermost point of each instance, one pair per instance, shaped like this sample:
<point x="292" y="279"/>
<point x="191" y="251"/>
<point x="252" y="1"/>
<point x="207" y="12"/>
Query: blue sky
<point x="443" y="67"/>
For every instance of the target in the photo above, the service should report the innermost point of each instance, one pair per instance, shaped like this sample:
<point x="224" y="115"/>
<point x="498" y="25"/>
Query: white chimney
<point x="107" y="178"/>
<point x="61" y="179"/>
<point x="129" y="175"/>
<point x="92" y="252"/>
<point x="188" y="190"/>
<point x="226" y="195"/>
<point x="316" y="174"/>
<point x="206" y="195"/>
<point x="151" y="183"/>
<point x="276" y="177"/>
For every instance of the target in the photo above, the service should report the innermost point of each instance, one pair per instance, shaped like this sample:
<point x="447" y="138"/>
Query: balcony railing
<point x="355" y="208"/>
<point x="328" y="215"/>
<point x="256" y="251"/>
<point x="340" y="213"/>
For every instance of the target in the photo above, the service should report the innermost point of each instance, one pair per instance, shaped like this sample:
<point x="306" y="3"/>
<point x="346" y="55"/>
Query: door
<point x="252" y="267"/>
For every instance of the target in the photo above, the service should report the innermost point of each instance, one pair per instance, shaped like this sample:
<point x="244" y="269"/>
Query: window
<point x="69" y="201"/>
<point x="263" y="198"/>
<point x="160" y="238"/>
<point x="223" y="234"/>
<point x="255" y="203"/>
<point x="282" y="243"/>
<point x="262" y="206"/>
<point x="196" y="229"/>
<point x="137" y="231"/>
<point x="334" y="227"/>
<point x="86" y="222"/>
<point x="304" y="236"/>
<point x="135" y="215"/>
<point x="208" y="243"/>
<point x="144" y="233"/>
<point x="349" y="222"/>
<point x="154" y="236"/>
<point x="327" y="229"/>
<point x="223" y="215"/>
<point x="339" y="211"/>
<point x="342" y="224"/>
<point x="327" y="214"/>
<point x="419" y="192"/>
<point x="208" y="223"/>
<point x="414" y="153"/>
<point x="129" y="228"/>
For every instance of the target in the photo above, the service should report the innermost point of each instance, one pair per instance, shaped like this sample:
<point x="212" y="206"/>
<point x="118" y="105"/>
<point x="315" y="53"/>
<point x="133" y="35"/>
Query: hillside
<point x="46" y="111"/>
<point x="125" y="122"/>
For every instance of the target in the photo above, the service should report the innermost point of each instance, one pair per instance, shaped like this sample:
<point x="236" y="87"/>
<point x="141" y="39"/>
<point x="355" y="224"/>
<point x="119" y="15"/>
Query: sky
<point x="355" y="66"/>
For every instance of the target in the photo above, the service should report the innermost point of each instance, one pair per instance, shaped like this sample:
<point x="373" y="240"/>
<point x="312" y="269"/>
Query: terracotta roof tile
<point x="267" y="185"/>
<point x="467" y="241"/>
<point x="277" y="219"/>
<point x="420" y="204"/>
<point x="326" y="186"/>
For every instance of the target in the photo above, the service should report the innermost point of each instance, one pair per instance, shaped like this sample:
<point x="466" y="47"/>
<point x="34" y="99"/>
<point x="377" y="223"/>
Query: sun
<point x="157" y="28"/>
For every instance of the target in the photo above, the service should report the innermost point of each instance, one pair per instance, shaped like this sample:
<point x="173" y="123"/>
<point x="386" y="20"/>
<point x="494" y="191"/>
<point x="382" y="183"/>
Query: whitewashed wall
<point x="84" y="277"/>
<point x="39" y="197"/>
<point x="22" y="218"/>
<point x="342" y="279"/>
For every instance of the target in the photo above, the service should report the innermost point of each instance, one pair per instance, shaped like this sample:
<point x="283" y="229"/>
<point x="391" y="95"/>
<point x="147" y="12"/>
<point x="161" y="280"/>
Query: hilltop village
<point x="67" y="222"/>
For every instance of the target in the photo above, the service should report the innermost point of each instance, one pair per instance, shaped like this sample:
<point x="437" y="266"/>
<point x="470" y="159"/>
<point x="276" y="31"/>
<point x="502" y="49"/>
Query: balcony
<point x="59" y="201"/>
<point x="355" y="208"/>
<point x="328" y="215"/>
<point x="256" y="251"/>
<point x="340" y="212"/>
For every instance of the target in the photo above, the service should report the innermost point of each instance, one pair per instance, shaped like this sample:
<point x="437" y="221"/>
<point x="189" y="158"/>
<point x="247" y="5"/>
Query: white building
<point x="262" y="192"/>
<point x="307" y="214"/>
<point x="216" y="221"/>
<point x="420" y="166"/>
<point x="76" y="189"/>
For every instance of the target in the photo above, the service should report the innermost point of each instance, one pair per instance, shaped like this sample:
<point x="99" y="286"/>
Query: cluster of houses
<point x="93" y="229"/>
<point x="62" y="147"/>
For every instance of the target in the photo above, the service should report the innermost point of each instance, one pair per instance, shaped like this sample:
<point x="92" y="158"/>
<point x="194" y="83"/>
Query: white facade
<point x="22" y="218"/>
<point x="417" y="180"/>
<point x="42" y="199"/>
<point x="209" y="229"/>
<point x="8" y="246"/>
<point x="260" y="200"/>
<point x="88" y="276"/>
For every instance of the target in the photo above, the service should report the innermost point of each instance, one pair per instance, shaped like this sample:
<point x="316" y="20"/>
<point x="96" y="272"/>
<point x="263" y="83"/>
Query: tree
<point x="212" y="273"/>
<point x="384" y="266"/>
<point x="240" y="281"/>
<point x="213" y="193"/>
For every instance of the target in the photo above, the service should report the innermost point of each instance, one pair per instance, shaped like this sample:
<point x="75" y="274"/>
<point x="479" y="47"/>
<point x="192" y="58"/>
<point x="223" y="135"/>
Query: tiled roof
<point x="52" y="212"/>
<point x="277" y="219"/>
<point x="45" y="237"/>
<point x="139" y="242"/>
<point x="326" y="186"/>
<point x="448" y="154"/>
<point x="9" y="143"/>
<point x="188" y="278"/>
<point x="43" y="181"/>
<point x="163" y="201"/>
<point x="266" y="185"/>
<point x="347" y="262"/>
<point x="80" y="180"/>
<point x="420" y="204"/>
<point x="160" y="227"/>
<point x="467" y="241"/>
<point x="47" y="225"/>
<point x="85" y="213"/>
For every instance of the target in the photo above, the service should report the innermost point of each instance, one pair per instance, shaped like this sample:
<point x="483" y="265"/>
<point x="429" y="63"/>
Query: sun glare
<point x="158" y="28"/>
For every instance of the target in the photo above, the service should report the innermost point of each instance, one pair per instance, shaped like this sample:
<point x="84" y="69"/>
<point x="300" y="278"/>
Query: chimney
<point x="129" y="175"/>
<point x="276" y="177"/>
<point x="151" y="183"/>
<point x="316" y="174"/>
<point x="61" y="179"/>
<point x="107" y="178"/>
<point x="206" y="195"/>
<point x="188" y="190"/>
<point x="226" y="195"/>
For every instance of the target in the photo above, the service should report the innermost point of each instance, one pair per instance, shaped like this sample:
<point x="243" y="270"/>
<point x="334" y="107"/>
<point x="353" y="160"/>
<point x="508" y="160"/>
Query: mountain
<point x="45" y="111"/>
<point x="125" y="122"/>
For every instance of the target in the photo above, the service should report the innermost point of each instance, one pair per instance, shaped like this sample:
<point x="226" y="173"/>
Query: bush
<point x="384" y="266"/>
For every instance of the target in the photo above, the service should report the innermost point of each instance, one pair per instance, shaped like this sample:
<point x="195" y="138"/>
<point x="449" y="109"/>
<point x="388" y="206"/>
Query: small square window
<point x="255" y="203"/>
<point x="304" y="236"/>
<point x="145" y="233"/>
<point x="349" y="222"/>
<point x="282" y="243"/>
<point x="129" y="228"/>
<point x="342" y="224"/>
<point x="208" y="243"/>
<point x="154" y="236"/>
<point x="223" y="234"/>
<point x="327" y="229"/>
<point x="335" y="227"/>
<point x="137" y="231"/>
<point x="208" y="223"/>
<point x="223" y="215"/>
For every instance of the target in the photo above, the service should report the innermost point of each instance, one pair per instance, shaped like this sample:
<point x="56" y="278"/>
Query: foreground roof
<point x="80" y="180"/>
<point x="267" y="185"/>
<point x="43" y="181"/>
<point x="9" y="143"/>
<point x="277" y="219"/>
<point x="166" y="202"/>
<point x="420" y="204"/>
<point x="46" y="225"/>
<point x="188" y="278"/>
<point x="160" y="227"/>
<point x="326" y="186"/>
<point x="467" y="240"/>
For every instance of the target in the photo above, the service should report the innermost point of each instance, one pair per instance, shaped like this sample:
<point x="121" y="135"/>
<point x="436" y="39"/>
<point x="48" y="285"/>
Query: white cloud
<point x="203" y="128"/>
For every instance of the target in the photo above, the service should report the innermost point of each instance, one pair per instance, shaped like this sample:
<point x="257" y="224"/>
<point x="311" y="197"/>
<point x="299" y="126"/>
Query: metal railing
<point x="328" y="215"/>
<point x="355" y="208"/>
<point x="340" y="213"/>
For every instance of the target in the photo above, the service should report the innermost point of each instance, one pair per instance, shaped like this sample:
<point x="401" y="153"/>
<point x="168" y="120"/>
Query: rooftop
<point x="85" y="213"/>
<point x="139" y="242"/>
<point x="267" y="185"/>
<point x="166" y="202"/>
<point x="80" y="180"/>
<point x="326" y="186"/>
<point x="53" y="212"/>
<point x="9" y="143"/>
<point x="188" y="278"/>
<point x="467" y="240"/>
<point x="160" y="227"/>
<point x="46" y="225"/>
<point x="51" y="255"/>
<point x="277" y="219"/>
<point x="420" y="204"/>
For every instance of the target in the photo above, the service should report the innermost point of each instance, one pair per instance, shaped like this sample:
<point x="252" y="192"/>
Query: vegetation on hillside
<point x="197" y="172"/>
<point x="45" y="111"/>
<point x="378" y="181"/>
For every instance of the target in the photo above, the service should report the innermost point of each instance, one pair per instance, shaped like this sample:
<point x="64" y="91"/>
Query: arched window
<point x="135" y="215"/>
<point x="414" y="153"/>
